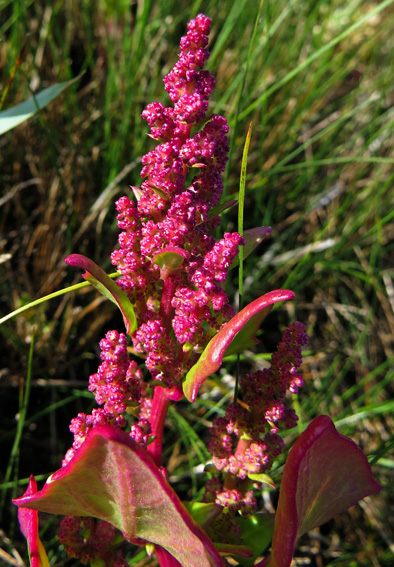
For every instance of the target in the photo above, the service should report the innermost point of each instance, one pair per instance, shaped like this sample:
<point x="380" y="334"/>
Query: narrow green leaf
<point x="241" y="207"/>
<point x="14" y="116"/>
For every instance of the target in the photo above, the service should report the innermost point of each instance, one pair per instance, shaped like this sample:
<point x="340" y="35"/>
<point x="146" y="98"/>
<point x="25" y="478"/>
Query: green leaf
<point x="325" y="473"/>
<point x="14" y="116"/>
<point x="107" y="287"/>
<point x="203" y="512"/>
<point x="241" y="210"/>
<point x="256" y="533"/>
<point x="262" y="477"/>
<point x="113" y="478"/>
<point x="170" y="259"/>
<point x="222" y="207"/>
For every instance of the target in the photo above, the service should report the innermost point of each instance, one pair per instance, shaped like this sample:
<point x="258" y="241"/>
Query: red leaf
<point x="325" y="473"/>
<point x="28" y="521"/>
<point x="113" y="478"/>
<point x="244" y="324"/>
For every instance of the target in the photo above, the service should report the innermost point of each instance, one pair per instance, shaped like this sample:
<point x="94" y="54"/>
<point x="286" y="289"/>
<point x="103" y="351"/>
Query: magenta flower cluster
<point x="247" y="439"/>
<point x="92" y="542"/>
<point x="172" y="271"/>
<point x="117" y="386"/>
<point x="171" y="266"/>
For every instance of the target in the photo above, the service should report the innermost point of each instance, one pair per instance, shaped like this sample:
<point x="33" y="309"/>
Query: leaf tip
<point x="75" y="260"/>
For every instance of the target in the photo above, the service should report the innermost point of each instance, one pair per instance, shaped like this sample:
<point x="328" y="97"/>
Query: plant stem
<point x="230" y="480"/>
<point x="160" y="407"/>
<point x="166" y="309"/>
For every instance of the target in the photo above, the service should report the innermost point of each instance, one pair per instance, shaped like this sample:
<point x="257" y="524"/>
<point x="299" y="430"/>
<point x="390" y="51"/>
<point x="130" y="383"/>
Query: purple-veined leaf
<point x="222" y="207"/>
<point x="106" y="286"/>
<point x="28" y="521"/>
<point x="113" y="478"/>
<point x="325" y="473"/>
<point x="235" y="336"/>
<point x="253" y="237"/>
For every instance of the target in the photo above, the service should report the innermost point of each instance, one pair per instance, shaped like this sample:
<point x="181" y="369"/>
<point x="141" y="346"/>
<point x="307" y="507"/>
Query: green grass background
<point x="316" y="80"/>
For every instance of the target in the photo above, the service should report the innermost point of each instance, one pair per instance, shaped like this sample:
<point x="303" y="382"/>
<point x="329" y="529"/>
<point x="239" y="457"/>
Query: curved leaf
<point x="14" y="116"/>
<point x="235" y="336"/>
<point x="221" y="207"/>
<point x="256" y="533"/>
<point x="106" y="286"/>
<point x="28" y="521"/>
<point x="325" y="473"/>
<point x="113" y="478"/>
<point x="203" y="512"/>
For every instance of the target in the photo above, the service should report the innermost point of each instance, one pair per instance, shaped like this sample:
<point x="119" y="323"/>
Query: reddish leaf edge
<point x="31" y="502"/>
<point x="106" y="286"/>
<point x="213" y="354"/>
<point x="290" y="521"/>
<point x="28" y="522"/>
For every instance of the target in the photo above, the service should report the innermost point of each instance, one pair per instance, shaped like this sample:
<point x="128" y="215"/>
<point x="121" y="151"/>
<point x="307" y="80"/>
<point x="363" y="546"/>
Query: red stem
<point x="160" y="406"/>
<point x="230" y="480"/>
<point x="166" y="309"/>
<point x="242" y="445"/>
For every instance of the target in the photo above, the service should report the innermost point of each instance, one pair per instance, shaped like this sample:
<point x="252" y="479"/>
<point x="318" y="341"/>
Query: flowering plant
<point x="113" y="487"/>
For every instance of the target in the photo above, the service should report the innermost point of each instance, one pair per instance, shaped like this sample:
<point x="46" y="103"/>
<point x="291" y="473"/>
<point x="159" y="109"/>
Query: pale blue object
<point x="17" y="114"/>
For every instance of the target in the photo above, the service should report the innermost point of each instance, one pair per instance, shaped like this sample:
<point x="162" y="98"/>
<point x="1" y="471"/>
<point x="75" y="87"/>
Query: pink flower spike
<point x="325" y="473"/>
<point x="28" y="521"/>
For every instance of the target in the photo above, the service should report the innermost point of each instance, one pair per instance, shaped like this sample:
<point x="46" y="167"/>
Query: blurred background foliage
<point x="316" y="79"/>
